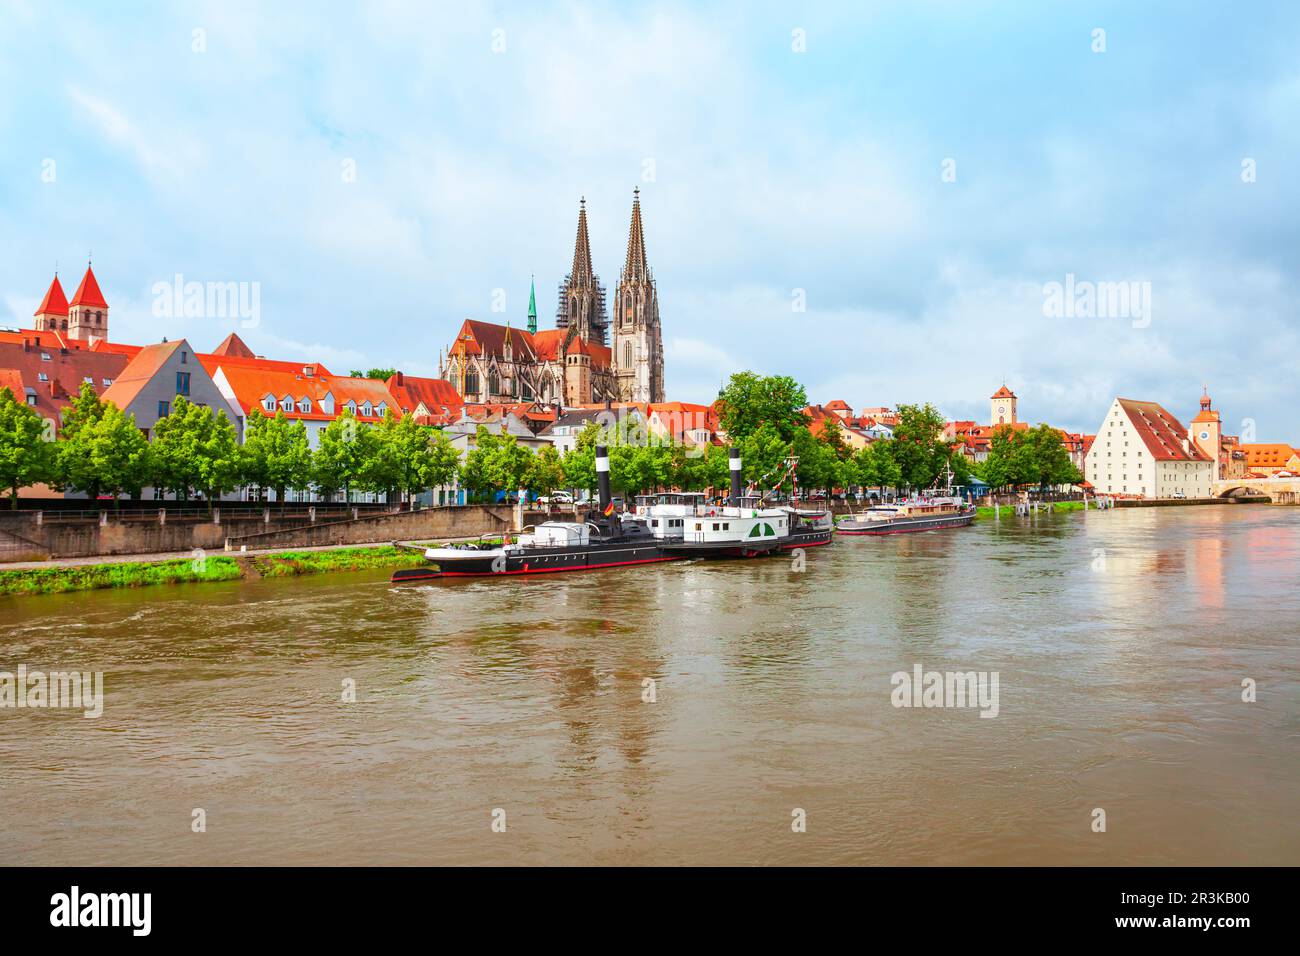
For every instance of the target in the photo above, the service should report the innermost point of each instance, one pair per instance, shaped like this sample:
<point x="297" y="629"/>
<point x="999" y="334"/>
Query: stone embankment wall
<point x="36" y="535"/>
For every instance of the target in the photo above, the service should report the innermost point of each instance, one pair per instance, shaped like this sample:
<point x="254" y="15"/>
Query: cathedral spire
<point x="636" y="267"/>
<point x="582" y="272"/>
<point x="532" y="306"/>
<point x="581" y="306"/>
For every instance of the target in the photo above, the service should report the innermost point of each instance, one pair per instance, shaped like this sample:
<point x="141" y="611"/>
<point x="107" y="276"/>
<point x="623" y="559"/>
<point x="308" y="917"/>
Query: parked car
<point x="556" y="498"/>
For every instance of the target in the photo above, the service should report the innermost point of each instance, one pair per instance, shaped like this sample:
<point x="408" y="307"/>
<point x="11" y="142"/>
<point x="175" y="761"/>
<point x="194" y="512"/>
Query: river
<point x="1120" y="639"/>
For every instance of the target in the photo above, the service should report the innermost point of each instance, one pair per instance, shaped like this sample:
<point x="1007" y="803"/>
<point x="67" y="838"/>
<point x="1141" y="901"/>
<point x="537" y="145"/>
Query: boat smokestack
<point x="602" y="477"/>
<point x="734" y="455"/>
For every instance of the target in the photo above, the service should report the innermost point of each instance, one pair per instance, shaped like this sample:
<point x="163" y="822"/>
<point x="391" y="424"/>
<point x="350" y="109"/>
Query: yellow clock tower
<point x="1002" y="407"/>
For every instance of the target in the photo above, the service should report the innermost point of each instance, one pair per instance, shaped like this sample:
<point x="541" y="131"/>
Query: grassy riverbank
<point x="133" y="574"/>
<point x="1009" y="511"/>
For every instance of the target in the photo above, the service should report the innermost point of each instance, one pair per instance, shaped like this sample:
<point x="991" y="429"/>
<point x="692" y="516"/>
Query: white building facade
<point x="1143" y="451"/>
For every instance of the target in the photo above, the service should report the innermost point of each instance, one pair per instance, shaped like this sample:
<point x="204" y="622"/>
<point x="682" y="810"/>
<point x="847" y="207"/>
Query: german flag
<point x="609" y="509"/>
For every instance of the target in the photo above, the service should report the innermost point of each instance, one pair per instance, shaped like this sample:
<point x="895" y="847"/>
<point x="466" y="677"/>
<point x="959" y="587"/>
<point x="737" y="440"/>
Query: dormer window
<point x="304" y="405"/>
<point x="367" y="408"/>
<point x="286" y="403"/>
<point x="269" y="403"/>
<point x="381" y="409"/>
<point x="352" y="406"/>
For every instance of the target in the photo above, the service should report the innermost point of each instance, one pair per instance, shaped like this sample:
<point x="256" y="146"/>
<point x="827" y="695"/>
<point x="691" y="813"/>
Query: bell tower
<point x="88" y="312"/>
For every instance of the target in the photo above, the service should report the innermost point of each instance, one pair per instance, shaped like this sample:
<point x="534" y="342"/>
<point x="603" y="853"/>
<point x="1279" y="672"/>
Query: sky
<point x="872" y="198"/>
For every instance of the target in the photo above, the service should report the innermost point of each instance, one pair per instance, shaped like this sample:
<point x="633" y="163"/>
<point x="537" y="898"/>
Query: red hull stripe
<point x="498" y="574"/>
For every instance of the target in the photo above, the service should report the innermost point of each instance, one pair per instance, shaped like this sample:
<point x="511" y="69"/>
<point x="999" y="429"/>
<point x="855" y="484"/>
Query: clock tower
<point x="1205" y="432"/>
<point x="1002" y="407"/>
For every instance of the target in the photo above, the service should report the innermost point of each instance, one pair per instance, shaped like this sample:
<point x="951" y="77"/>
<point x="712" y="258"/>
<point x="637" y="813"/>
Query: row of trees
<point x="195" y="451"/>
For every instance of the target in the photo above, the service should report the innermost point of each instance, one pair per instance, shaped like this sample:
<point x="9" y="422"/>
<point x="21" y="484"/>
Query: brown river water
<point x="1120" y="639"/>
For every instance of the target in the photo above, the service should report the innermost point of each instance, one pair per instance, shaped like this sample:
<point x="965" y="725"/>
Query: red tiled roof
<point x="233" y="345"/>
<point x="437" y="395"/>
<point x="88" y="292"/>
<point x="140" y="371"/>
<point x="130" y="351"/>
<point x="35" y="337"/>
<point x="1160" y="432"/>
<point x="1268" y="455"/>
<point x="252" y="382"/>
<point x="65" y="370"/>
<point x="1003" y="392"/>
<point x="55" y="302"/>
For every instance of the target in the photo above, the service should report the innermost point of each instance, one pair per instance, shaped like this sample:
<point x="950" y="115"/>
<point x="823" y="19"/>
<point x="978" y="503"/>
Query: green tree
<point x="1047" y="462"/>
<point x="383" y="374"/>
<point x="819" y="465"/>
<point x="341" y="448"/>
<point x="875" y="466"/>
<point x="26" y="458"/>
<point x="119" y="453"/>
<point x="74" y="466"/>
<point x="580" y="461"/>
<point x="750" y="401"/>
<point x="546" y="471"/>
<point x="917" y="447"/>
<point x="763" y="455"/>
<point x="196" y="449"/>
<point x="276" y="453"/>
<point x="407" y="457"/>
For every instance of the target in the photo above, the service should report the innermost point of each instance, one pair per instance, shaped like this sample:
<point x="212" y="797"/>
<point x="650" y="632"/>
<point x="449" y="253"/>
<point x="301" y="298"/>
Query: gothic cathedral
<point x="574" y="363"/>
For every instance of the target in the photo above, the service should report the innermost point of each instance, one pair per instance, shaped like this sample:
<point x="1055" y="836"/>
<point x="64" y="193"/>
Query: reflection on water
<point x="1121" y="639"/>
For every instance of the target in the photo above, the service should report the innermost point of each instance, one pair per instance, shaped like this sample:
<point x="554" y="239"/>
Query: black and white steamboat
<point x="604" y="540"/>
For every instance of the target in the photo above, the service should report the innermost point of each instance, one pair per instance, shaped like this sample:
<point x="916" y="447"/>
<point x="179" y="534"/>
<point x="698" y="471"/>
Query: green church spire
<point x="532" y="307"/>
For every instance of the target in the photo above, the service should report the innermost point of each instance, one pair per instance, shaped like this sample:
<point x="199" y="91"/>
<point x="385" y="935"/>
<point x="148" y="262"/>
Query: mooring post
<point x="216" y="516"/>
<point x="103" y="519"/>
<point x="162" y="516"/>
<point x="266" y="516"/>
<point x="311" y="512"/>
<point x="40" y="518"/>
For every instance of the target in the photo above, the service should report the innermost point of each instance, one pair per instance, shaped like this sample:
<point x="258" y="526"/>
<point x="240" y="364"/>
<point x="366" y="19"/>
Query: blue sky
<point x="763" y="170"/>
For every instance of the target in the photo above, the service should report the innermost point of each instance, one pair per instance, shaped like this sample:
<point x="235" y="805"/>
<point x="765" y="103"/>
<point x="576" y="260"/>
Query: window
<point x="269" y="403"/>
<point x="88" y="380"/>
<point x="304" y="404"/>
<point x="45" y="356"/>
<point x="184" y="357"/>
<point x="42" y="377"/>
<point x="164" y="408"/>
<point x="286" y="403"/>
<point x="352" y="406"/>
<point x="367" y="408"/>
<point x="182" y="383"/>
<point x="107" y="382"/>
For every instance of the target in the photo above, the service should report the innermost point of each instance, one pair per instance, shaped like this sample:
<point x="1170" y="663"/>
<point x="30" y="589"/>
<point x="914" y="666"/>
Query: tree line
<point x="195" y="452"/>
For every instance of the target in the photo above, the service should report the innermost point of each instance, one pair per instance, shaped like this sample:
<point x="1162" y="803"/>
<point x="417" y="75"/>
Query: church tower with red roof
<point x="52" y="313"/>
<point x="88" y="312"/>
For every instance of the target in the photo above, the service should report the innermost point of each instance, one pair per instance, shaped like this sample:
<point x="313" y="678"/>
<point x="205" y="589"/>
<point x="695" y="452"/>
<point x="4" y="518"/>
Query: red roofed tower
<point x="52" y="313"/>
<point x="88" y="312"/>
<point x="1002" y="407"/>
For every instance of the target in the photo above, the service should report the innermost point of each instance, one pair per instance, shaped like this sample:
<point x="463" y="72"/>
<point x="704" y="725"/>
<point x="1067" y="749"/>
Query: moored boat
<point x="605" y="540"/>
<point x="912" y="514"/>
